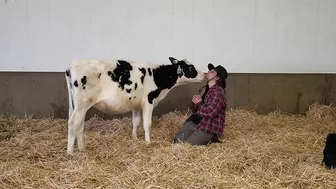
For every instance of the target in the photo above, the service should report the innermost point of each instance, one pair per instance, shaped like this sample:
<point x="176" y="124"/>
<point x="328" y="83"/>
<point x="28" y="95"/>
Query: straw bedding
<point x="258" y="151"/>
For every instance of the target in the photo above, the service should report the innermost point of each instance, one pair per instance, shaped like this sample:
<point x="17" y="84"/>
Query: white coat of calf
<point x="119" y="86"/>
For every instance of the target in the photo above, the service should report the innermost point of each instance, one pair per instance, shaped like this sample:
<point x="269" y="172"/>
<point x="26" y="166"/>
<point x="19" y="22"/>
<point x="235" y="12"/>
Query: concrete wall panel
<point x="45" y="94"/>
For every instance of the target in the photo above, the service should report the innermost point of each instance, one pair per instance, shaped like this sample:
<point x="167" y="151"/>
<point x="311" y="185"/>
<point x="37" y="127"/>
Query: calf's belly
<point x="114" y="108"/>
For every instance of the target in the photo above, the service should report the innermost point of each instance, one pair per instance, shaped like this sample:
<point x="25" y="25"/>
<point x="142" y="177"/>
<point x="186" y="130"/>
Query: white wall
<point x="252" y="36"/>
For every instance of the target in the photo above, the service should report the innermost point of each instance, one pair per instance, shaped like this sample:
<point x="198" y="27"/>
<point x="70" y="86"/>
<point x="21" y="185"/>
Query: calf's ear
<point x="173" y="60"/>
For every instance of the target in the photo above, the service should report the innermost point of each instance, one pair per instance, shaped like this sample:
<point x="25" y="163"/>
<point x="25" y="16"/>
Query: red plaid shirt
<point x="213" y="111"/>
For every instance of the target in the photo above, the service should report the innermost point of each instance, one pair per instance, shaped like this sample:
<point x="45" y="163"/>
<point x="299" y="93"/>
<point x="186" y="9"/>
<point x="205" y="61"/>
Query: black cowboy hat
<point x="221" y="71"/>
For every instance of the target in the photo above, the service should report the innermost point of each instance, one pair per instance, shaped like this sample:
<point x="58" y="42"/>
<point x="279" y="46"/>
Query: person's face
<point x="211" y="74"/>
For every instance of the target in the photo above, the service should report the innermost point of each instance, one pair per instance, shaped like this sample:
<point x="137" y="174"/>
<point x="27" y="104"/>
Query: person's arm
<point x="213" y="107"/>
<point x="193" y="107"/>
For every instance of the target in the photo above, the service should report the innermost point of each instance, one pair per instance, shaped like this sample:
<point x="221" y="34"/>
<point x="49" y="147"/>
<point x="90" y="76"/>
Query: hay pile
<point x="259" y="151"/>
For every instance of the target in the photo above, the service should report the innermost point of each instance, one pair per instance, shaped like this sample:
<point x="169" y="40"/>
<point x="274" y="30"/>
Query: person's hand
<point x="197" y="99"/>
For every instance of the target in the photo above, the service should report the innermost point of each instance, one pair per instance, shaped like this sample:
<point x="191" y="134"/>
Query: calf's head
<point x="187" y="72"/>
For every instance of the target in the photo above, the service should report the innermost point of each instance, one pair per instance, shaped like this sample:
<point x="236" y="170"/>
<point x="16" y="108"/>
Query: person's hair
<point x="221" y="82"/>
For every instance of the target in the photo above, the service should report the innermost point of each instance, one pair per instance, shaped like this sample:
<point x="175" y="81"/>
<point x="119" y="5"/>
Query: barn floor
<point x="259" y="151"/>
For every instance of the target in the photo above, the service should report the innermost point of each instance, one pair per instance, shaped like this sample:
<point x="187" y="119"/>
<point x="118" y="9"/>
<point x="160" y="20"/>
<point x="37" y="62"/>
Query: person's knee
<point x="179" y="137"/>
<point x="199" y="138"/>
<point x="184" y="133"/>
<point x="197" y="142"/>
<point x="176" y="139"/>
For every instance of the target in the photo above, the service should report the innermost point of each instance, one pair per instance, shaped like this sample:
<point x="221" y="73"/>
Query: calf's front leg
<point x="147" y="120"/>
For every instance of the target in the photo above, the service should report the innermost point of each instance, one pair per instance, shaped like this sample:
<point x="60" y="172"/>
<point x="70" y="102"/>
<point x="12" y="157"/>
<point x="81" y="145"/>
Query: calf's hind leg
<point x="76" y="128"/>
<point x="136" y="118"/>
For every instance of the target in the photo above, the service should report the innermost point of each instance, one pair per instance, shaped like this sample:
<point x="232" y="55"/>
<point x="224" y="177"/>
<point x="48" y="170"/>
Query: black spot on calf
<point x="143" y="70"/>
<point x="128" y="90"/>
<point x="99" y="75"/>
<point x="129" y="98"/>
<point x="165" y="77"/>
<point x="76" y="83"/>
<point x="153" y="95"/>
<point x="121" y="74"/>
<point x="84" y="81"/>
<point x="149" y="72"/>
<point x="67" y="72"/>
<point x="135" y="86"/>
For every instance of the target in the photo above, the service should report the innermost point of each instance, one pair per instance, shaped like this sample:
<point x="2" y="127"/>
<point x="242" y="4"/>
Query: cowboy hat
<point x="221" y="71"/>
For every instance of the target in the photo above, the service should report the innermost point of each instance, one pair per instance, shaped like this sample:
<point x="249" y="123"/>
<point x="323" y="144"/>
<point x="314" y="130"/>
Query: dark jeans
<point x="187" y="134"/>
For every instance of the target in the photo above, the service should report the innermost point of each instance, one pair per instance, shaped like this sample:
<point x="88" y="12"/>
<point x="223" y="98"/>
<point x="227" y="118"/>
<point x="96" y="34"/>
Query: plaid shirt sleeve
<point x="213" y="106"/>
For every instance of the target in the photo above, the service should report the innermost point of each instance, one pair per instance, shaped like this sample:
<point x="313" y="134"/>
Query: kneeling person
<point x="206" y="124"/>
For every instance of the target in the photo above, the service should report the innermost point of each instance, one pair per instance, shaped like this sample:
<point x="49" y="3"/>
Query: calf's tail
<point x="70" y="91"/>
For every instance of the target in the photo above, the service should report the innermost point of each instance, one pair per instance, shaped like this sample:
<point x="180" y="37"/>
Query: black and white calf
<point x="119" y="86"/>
